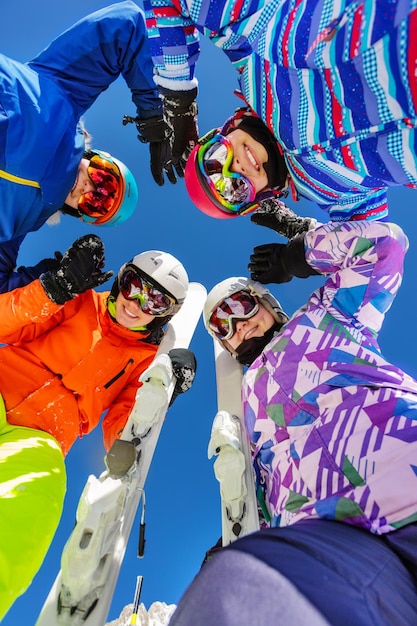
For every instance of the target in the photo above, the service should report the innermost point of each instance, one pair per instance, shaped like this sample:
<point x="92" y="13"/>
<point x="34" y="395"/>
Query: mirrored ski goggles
<point x="238" y="306"/>
<point x="133" y="286"/>
<point x="106" y="198"/>
<point x="231" y="189"/>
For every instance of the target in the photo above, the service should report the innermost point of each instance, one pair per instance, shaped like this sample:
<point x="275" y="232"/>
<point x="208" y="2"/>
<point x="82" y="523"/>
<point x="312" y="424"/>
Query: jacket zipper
<point x="122" y="371"/>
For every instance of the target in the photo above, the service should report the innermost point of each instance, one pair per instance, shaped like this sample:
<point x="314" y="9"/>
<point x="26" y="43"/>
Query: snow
<point x="158" y="614"/>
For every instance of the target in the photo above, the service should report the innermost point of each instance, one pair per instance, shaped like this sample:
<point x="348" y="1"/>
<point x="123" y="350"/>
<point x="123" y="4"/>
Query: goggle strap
<point x="208" y="136"/>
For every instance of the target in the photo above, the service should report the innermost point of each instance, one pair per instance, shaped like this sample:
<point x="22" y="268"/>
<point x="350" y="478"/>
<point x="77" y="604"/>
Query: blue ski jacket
<point x="41" y="103"/>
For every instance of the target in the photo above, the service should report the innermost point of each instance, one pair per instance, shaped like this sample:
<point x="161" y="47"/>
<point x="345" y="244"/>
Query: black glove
<point x="180" y="112"/>
<point x="79" y="270"/>
<point x="156" y="132"/>
<point x="184" y="366"/>
<point x="275" y="214"/>
<point x="44" y="266"/>
<point x="279" y="262"/>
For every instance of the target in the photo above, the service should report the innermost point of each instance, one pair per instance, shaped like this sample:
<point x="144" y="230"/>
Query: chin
<point x="131" y="324"/>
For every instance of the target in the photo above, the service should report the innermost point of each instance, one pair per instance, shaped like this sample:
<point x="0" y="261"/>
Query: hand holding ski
<point x="233" y="467"/>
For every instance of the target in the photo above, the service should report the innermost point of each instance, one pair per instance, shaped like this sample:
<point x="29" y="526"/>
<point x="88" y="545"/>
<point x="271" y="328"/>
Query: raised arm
<point x="27" y="312"/>
<point x="12" y="277"/>
<point x="174" y="43"/>
<point x="364" y="264"/>
<point x="89" y="56"/>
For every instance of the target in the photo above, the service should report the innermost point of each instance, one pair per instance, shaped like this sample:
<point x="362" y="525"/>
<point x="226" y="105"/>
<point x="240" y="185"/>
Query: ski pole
<point x="133" y="619"/>
<point x="141" y="542"/>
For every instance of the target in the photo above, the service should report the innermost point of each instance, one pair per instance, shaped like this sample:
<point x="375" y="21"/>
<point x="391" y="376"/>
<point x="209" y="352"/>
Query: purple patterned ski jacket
<point x="333" y="424"/>
<point x="335" y="81"/>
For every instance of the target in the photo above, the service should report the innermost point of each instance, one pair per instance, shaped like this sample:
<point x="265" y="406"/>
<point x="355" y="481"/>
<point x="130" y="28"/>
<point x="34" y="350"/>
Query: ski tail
<point x="229" y="442"/>
<point x="92" y="557"/>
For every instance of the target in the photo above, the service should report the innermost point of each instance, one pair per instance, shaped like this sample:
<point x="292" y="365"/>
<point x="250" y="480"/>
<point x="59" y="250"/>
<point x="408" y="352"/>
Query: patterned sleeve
<point x="174" y="43"/>
<point x="364" y="263"/>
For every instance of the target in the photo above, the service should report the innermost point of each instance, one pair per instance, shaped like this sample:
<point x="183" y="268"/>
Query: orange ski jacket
<point x="65" y="365"/>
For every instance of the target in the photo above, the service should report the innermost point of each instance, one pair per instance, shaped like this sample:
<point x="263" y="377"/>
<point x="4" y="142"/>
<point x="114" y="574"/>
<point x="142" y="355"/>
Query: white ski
<point x="229" y="441"/>
<point x="92" y="557"/>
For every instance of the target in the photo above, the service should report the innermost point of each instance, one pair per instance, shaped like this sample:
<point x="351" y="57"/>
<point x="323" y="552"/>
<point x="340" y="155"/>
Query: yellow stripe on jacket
<point x="17" y="179"/>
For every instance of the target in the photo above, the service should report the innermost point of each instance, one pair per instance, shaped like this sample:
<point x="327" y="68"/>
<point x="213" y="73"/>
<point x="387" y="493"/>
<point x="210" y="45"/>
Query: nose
<point x="241" y="324"/>
<point x="133" y="306"/>
<point x="138" y="301"/>
<point x="131" y="303"/>
<point x="237" y="166"/>
<point x="88" y="185"/>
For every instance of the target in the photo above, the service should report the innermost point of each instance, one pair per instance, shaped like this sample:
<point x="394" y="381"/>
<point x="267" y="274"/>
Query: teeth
<point x="129" y="313"/>
<point x="251" y="158"/>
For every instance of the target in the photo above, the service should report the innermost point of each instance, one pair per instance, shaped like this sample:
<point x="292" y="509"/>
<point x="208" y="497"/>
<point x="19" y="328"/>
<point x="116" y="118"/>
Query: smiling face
<point x="248" y="158"/>
<point x="83" y="184"/>
<point x="129" y="314"/>
<point x="255" y="326"/>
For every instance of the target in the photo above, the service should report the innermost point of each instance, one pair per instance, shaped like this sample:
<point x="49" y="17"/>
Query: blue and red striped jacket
<point x="335" y="80"/>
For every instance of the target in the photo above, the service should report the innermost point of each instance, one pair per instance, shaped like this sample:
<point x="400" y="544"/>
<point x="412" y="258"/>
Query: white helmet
<point x="164" y="271"/>
<point x="232" y="285"/>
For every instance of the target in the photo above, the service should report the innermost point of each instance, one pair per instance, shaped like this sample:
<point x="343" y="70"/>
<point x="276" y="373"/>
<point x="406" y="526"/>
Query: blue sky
<point x="183" y="507"/>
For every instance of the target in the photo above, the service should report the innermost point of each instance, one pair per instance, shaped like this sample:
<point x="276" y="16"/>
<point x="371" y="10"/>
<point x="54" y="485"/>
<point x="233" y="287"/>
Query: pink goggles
<point x="238" y="306"/>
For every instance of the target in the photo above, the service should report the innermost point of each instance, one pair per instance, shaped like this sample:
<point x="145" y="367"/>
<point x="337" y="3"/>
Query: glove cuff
<point x="152" y="130"/>
<point x="294" y="258"/>
<point x="180" y="102"/>
<point x="55" y="287"/>
<point x="275" y="214"/>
